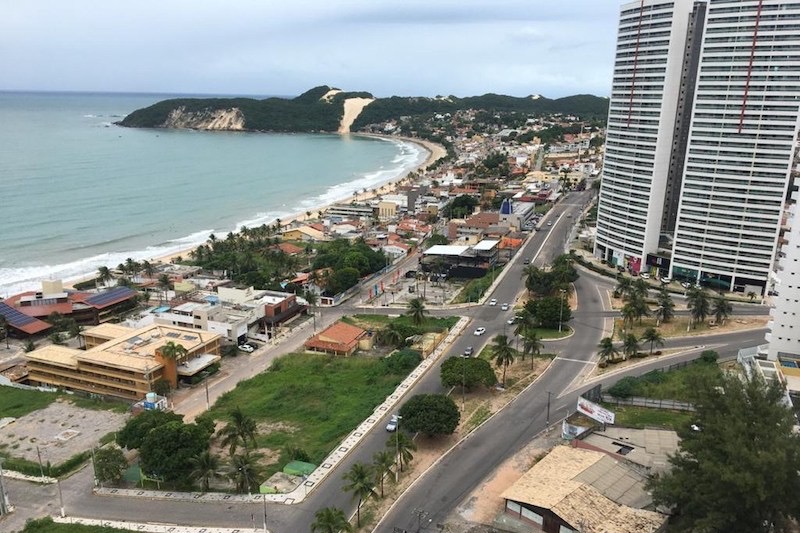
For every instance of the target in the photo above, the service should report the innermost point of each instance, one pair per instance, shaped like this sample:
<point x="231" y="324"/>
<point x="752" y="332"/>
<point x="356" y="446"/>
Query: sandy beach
<point x="435" y="152"/>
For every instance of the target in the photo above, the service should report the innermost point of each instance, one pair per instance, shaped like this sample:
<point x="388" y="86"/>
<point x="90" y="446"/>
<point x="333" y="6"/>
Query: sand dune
<point x="352" y="108"/>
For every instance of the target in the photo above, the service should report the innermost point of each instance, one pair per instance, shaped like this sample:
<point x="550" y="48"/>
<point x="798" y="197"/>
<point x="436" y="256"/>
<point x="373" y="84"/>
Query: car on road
<point x="665" y="280"/>
<point x="479" y="331"/>
<point x="527" y="261"/>
<point x="549" y="223"/>
<point x="511" y="320"/>
<point x="493" y="301"/>
<point x="504" y="307"/>
<point x="645" y="275"/>
<point x="246" y="348"/>
<point x="686" y="285"/>
<point x="392" y="425"/>
<point x="468" y="351"/>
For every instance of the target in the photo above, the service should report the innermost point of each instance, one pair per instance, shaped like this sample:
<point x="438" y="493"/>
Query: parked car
<point x="504" y="307"/>
<point x="479" y="331"/>
<point x="645" y="275"/>
<point x="246" y="348"/>
<point x="527" y="261"/>
<point x="549" y="223"/>
<point x="511" y="320"/>
<point x="493" y="301"/>
<point x="392" y="425"/>
<point x="469" y="351"/>
<point x="665" y="280"/>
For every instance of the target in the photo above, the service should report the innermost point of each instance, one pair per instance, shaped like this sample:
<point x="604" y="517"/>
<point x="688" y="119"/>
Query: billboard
<point x="594" y="411"/>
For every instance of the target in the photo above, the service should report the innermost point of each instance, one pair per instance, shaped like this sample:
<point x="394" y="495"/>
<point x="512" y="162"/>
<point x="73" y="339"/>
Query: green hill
<point x="309" y="113"/>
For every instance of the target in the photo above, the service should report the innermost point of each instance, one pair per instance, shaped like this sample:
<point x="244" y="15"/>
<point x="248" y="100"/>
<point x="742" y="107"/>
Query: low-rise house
<point x="303" y="234"/>
<point x="338" y="339"/>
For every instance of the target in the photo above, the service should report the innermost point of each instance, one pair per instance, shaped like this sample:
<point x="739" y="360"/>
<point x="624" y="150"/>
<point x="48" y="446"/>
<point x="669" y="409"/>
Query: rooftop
<point x="446" y="249"/>
<point x="649" y="448"/>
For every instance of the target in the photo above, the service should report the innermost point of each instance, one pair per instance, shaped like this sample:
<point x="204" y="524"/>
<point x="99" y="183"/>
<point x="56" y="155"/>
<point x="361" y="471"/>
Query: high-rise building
<point x="649" y="77"/>
<point x="784" y="326"/>
<point x="714" y="180"/>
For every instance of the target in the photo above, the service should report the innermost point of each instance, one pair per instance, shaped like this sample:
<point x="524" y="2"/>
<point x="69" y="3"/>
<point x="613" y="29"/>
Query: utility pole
<point x="208" y="403"/>
<point x="463" y="381"/>
<point x="60" y="498"/>
<point x="265" y="513"/>
<point x="548" y="408"/>
<point x="397" y="450"/>
<point x="561" y="311"/>
<point x="4" y="505"/>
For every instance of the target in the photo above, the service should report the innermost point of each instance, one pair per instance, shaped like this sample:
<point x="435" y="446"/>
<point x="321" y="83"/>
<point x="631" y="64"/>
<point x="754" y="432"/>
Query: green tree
<point x="56" y="338"/>
<point x="629" y="315"/>
<point x="721" y="309"/>
<point x="607" y="351"/>
<point x="165" y="285"/>
<point x="382" y="465"/>
<point x="468" y="372"/>
<point x="502" y="353"/>
<point x="624" y="287"/>
<point x="437" y="238"/>
<point x="104" y="275"/>
<point x="243" y="471"/>
<point x="133" y="433"/>
<point x="4" y="328"/>
<point x="630" y="345"/>
<point x="402" y="445"/>
<point x="359" y="482"/>
<point x="109" y="464"/>
<point x="652" y="336"/>
<point x="432" y="414"/>
<point x="740" y="471"/>
<point x="204" y="467"/>
<point x="752" y="295"/>
<point x="531" y="345"/>
<point x="29" y="346"/>
<point x="173" y="351"/>
<point x="330" y="520"/>
<point x="416" y="311"/>
<point x="167" y="452"/>
<point x="549" y="311"/>
<point x="698" y="304"/>
<point x="240" y="430"/>
<point x="666" y="307"/>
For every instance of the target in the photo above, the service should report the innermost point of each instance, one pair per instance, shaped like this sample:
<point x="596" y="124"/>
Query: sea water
<point x="78" y="192"/>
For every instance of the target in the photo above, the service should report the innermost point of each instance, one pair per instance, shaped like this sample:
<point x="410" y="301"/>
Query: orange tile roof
<point x="339" y="337"/>
<point x="289" y="248"/>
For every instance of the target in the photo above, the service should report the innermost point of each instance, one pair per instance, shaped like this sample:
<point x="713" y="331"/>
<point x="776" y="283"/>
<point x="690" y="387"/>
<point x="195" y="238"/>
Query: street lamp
<point x="397" y="449"/>
<point x="561" y="310"/>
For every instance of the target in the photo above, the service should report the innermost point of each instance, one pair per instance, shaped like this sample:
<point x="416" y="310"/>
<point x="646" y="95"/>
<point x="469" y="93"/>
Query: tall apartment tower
<point x="741" y="145"/>
<point x="784" y="326"/>
<point x="652" y="77"/>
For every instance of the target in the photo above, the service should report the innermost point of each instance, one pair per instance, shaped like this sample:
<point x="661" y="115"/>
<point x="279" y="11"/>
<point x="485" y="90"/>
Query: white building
<point x="648" y="70"/>
<point x="741" y="142"/>
<point x="783" y="338"/>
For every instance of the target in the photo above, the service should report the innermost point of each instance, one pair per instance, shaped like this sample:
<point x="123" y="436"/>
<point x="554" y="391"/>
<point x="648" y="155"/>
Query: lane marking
<point x="573" y="360"/>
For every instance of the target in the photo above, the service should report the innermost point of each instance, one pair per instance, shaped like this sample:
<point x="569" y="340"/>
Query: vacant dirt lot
<point x="61" y="430"/>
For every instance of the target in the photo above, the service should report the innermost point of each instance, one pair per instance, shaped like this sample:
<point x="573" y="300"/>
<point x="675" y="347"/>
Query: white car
<point x="644" y="275"/>
<point x="666" y="280"/>
<point x="493" y="301"/>
<point x="504" y="307"/>
<point x="392" y="425"/>
<point x="511" y="320"/>
<point x="246" y="348"/>
<point x="479" y="331"/>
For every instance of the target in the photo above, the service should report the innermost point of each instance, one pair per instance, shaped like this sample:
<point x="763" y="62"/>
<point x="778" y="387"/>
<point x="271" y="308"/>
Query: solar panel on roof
<point x="173" y="335"/>
<point x="110" y="295"/>
<point x="189" y="337"/>
<point x="14" y="317"/>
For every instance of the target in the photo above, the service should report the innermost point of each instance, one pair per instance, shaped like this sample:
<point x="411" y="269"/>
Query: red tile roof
<point x="289" y="248"/>
<point x="340" y="338"/>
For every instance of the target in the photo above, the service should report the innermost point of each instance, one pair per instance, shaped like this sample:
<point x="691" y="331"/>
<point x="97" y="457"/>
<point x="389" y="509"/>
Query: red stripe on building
<point x="750" y="65"/>
<point x="635" y="61"/>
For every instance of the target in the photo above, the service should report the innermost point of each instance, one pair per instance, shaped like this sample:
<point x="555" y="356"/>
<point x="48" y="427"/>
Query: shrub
<point x="709" y="357"/>
<point x="624" y="388"/>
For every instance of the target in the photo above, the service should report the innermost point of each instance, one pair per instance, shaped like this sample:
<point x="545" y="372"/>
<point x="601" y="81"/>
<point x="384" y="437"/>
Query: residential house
<point x="338" y="339"/>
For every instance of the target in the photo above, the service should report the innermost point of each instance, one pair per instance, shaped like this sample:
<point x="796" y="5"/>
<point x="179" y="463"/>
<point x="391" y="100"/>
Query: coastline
<point x="435" y="152"/>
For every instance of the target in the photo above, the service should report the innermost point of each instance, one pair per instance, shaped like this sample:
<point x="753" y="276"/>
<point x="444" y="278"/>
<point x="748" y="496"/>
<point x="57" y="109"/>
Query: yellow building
<point x="123" y="362"/>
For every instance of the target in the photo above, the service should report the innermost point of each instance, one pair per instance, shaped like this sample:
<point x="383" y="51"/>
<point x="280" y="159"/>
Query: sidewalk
<point x="156" y="528"/>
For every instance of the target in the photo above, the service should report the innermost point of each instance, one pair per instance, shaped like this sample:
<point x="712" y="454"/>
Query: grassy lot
<point x="46" y="525"/>
<point x="642" y="417"/>
<point x="18" y="402"/>
<point x="475" y="288"/>
<point x="310" y="401"/>
<point x="431" y="324"/>
<point x="674" y="385"/>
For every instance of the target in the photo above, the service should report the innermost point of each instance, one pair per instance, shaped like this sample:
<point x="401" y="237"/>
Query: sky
<point x="283" y="47"/>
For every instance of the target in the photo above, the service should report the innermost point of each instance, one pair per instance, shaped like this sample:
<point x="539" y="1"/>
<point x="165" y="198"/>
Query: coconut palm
<point x="402" y="445"/>
<point x="503" y="354"/>
<point x="416" y="311"/>
<point x="531" y="345"/>
<point x="359" y="482"/>
<point x="630" y="345"/>
<point x="243" y="472"/>
<point x="624" y="286"/>
<point x="389" y="336"/>
<point x="607" y="349"/>
<point x="204" y="467"/>
<point x="752" y="295"/>
<point x="164" y="284"/>
<point x="330" y="520"/>
<point x="148" y="269"/>
<point x="652" y="336"/>
<point x="721" y="309"/>
<point x="629" y="314"/>
<point x="383" y="464"/>
<point x="666" y="307"/>
<point x="173" y="351"/>
<point x="4" y="328"/>
<point x="640" y="288"/>
<point x="240" y="430"/>
<point x="104" y="275"/>
<point x="526" y="322"/>
<point x="698" y="304"/>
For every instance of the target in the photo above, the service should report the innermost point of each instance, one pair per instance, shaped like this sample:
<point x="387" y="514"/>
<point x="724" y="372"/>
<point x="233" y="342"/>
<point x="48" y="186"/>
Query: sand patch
<point x="352" y="108"/>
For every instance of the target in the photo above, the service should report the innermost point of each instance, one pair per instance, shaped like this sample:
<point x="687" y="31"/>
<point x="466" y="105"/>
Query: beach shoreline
<point x="435" y="152"/>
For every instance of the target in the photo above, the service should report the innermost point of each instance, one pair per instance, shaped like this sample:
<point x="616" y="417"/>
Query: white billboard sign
<point x="594" y="411"/>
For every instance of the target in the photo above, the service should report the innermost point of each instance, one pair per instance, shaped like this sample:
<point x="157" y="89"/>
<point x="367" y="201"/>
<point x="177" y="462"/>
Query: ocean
<point x="78" y="192"/>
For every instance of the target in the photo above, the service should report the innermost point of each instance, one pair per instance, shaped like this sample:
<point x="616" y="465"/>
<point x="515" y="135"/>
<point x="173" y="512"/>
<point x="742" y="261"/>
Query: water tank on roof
<point x="506" y="208"/>
<point x="151" y="397"/>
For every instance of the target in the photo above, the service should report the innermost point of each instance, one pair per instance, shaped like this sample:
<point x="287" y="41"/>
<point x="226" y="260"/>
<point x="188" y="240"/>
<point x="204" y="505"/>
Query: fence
<point x="674" y="405"/>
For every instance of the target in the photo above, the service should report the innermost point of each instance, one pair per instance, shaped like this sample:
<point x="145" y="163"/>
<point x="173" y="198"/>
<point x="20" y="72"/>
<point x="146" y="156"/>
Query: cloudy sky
<point x="283" y="47"/>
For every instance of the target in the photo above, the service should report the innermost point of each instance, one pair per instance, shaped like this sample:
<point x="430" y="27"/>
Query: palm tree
<point x="697" y="302"/>
<point x="721" y="309"/>
<point x="630" y="345"/>
<point x="359" y="482"/>
<point x="652" y="336"/>
<point x="624" y="286"/>
<point x="531" y="345"/>
<point x="330" y="520"/>
<point x="666" y="307"/>
<point x="243" y="472"/>
<point x="752" y="295"/>
<point x="417" y="311"/>
<point x="240" y="430"/>
<point x="526" y="322"/>
<point x="503" y="354"/>
<point x="402" y="445"/>
<point x="629" y="314"/>
<point x="382" y="463"/>
<point x="4" y="327"/>
<point x="164" y="284"/>
<point x="148" y="269"/>
<point x="104" y="275"/>
<point x="607" y="349"/>
<point x="204" y="467"/>
<point x="640" y="288"/>
<point x="389" y="336"/>
<point x="173" y="351"/>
